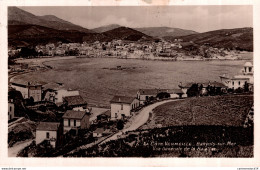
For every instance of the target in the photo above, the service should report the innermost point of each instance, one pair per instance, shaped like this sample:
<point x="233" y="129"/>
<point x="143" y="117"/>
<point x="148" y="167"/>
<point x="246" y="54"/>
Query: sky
<point x="196" y="18"/>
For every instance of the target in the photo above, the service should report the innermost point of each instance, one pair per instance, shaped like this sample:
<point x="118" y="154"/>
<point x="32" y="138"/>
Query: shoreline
<point x="43" y="60"/>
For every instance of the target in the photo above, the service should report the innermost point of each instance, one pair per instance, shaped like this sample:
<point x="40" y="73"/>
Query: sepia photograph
<point x="131" y="81"/>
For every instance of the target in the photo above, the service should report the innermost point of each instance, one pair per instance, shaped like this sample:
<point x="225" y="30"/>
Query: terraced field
<point x="213" y="110"/>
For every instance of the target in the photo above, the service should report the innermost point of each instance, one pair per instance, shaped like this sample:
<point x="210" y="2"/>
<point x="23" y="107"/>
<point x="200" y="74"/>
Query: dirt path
<point x="139" y="120"/>
<point x="13" y="151"/>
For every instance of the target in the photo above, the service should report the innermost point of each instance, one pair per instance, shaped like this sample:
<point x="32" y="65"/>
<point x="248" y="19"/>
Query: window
<point x="232" y="83"/>
<point x="68" y="122"/>
<point x="250" y="69"/>
<point x="121" y="106"/>
<point x="10" y="108"/>
<point x="115" y="115"/>
<point x="47" y="135"/>
<point x="74" y="122"/>
<point x="239" y="83"/>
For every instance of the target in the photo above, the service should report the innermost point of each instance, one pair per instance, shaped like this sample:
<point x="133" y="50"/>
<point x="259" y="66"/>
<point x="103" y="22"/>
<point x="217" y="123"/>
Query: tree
<point x="193" y="90"/>
<point x="246" y="87"/>
<point x="28" y="52"/>
<point x="120" y="125"/>
<point x="163" y="95"/>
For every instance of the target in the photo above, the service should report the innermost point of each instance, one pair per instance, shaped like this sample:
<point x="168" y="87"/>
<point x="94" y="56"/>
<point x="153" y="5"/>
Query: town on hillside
<point x="177" y="50"/>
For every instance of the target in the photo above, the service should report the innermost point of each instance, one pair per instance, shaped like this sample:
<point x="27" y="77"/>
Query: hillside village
<point x="162" y="50"/>
<point x="53" y="116"/>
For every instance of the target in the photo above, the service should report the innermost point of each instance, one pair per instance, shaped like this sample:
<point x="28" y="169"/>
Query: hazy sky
<point x="197" y="18"/>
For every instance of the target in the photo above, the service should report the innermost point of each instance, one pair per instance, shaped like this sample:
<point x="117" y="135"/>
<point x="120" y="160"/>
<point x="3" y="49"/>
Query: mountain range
<point x="26" y="29"/>
<point x="158" y="32"/>
<point x="17" y="16"/>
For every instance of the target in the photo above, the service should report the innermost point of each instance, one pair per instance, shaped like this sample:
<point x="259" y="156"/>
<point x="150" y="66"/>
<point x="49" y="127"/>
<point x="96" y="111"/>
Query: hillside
<point x="26" y="35"/>
<point x="161" y="32"/>
<point x="238" y="38"/>
<point x="125" y="33"/>
<point x="18" y="16"/>
<point x="31" y="35"/>
<point x="106" y="28"/>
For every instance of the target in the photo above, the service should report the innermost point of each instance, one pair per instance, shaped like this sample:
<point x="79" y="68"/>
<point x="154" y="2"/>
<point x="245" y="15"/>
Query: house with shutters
<point x="49" y="131"/>
<point x="75" y="120"/>
<point x="121" y="106"/>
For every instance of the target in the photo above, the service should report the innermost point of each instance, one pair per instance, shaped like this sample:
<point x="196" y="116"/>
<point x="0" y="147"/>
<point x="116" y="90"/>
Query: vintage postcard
<point x="145" y="83"/>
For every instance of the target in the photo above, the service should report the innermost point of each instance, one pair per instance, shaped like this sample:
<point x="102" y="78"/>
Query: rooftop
<point x="48" y="126"/>
<point x="240" y="77"/>
<point x="248" y="64"/>
<point x="75" y="100"/>
<point x="217" y="84"/>
<point x="122" y="99"/>
<point x="72" y="114"/>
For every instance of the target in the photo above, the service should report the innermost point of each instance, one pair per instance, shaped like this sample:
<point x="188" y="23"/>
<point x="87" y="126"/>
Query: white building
<point x="121" y="106"/>
<point x="49" y="131"/>
<point x="238" y="81"/>
<point x="55" y="93"/>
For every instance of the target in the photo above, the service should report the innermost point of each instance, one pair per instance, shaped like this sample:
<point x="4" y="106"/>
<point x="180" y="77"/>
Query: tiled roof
<point x="72" y="114"/>
<point x="156" y="91"/>
<point x="48" y="126"/>
<point x="217" y="84"/>
<point x="74" y="100"/>
<point x="122" y="99"/>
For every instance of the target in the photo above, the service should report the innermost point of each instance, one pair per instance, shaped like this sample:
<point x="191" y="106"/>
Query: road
<point x="139" y="119"/>
<point x="13" y="151"/>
